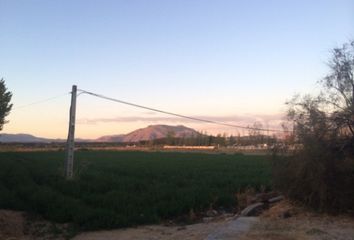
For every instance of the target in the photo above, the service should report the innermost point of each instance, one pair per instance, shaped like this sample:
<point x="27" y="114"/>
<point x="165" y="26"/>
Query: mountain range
<point x="143" y="134"/>
<point x="24" y="138"/>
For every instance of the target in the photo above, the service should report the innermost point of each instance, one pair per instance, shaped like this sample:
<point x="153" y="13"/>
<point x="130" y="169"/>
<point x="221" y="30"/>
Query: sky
<point x="227" y="60"/>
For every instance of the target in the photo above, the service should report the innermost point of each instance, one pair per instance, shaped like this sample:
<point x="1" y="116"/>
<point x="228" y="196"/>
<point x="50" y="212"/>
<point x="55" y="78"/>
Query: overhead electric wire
<point x="40" y="101"/>
<point x="179" y="115"/>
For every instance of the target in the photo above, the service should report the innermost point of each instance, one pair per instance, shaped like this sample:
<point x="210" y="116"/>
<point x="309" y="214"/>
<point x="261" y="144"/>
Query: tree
<point x="255" y="134"/>
<point x="320" y="173"/>
<point x="5" y="105"/>
<point x="171" y="140"/>
<point x="331" y="113"/>
<point x="339" y="86"/>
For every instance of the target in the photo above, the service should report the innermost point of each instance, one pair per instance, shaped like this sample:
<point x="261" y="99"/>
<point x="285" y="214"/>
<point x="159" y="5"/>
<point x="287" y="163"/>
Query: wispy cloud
<point x="246" y="119"/>
<point x="130" y="123"/>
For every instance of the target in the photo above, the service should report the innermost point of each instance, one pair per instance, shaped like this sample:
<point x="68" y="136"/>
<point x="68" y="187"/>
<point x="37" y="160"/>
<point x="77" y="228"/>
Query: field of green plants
<point x="120" y="189"/>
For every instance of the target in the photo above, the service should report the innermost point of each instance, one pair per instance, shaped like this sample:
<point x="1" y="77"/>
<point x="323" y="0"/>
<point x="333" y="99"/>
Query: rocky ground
<point x="282" y="221"/>
<point x="15" y="225"/>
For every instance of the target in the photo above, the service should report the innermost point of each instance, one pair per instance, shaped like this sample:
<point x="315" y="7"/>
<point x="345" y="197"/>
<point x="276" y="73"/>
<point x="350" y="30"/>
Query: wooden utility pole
<point x="69" y="158"/>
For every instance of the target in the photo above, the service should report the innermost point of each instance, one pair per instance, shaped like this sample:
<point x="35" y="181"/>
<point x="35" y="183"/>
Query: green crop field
<point x="119" y="189"/>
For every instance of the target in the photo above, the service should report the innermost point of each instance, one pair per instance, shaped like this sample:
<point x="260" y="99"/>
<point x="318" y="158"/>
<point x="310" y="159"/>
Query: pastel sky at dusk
<point x="231" y="61"/>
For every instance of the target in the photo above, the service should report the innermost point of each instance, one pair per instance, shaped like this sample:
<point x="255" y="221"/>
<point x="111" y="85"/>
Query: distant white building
<point x="189" y="147"/>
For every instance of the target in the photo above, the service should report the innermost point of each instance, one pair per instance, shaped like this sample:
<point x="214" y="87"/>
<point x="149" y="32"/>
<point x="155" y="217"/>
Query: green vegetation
<point x="119" y="189"/>
<point x="320" y="173"/>
<point x="5" y="103"/>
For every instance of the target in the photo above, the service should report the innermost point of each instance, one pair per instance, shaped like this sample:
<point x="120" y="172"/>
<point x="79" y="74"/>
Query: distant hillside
<point x="149" y="133"/>
<point x="152" y="132"/>
<point x="111" y="138"/>
<point x="23" y="138"/>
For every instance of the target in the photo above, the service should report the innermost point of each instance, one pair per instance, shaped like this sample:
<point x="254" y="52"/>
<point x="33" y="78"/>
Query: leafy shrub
<point x="321" y="172"/>
<point x="320" y="175"/>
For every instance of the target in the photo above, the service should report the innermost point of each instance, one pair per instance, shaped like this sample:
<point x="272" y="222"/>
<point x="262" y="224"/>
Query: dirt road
<point x="281" y="222"/>
<point x="224" y="229"/>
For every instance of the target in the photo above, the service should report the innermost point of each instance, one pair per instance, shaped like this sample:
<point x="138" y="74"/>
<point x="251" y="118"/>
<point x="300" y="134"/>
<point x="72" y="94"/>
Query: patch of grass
<point x="121" y="189"/>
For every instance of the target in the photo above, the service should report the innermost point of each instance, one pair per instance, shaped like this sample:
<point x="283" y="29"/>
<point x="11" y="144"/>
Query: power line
<point x="179" y="115"/>
<point x="40" y="101"/>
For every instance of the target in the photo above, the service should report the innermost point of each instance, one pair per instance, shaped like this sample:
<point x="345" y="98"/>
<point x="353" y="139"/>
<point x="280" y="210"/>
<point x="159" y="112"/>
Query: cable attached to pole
<point x="40" y="101"/>
<point x="179" y="115"/>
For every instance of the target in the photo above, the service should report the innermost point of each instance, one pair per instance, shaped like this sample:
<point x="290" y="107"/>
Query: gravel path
<point x="222" y="229"/>
<point x="232" y="229"/>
